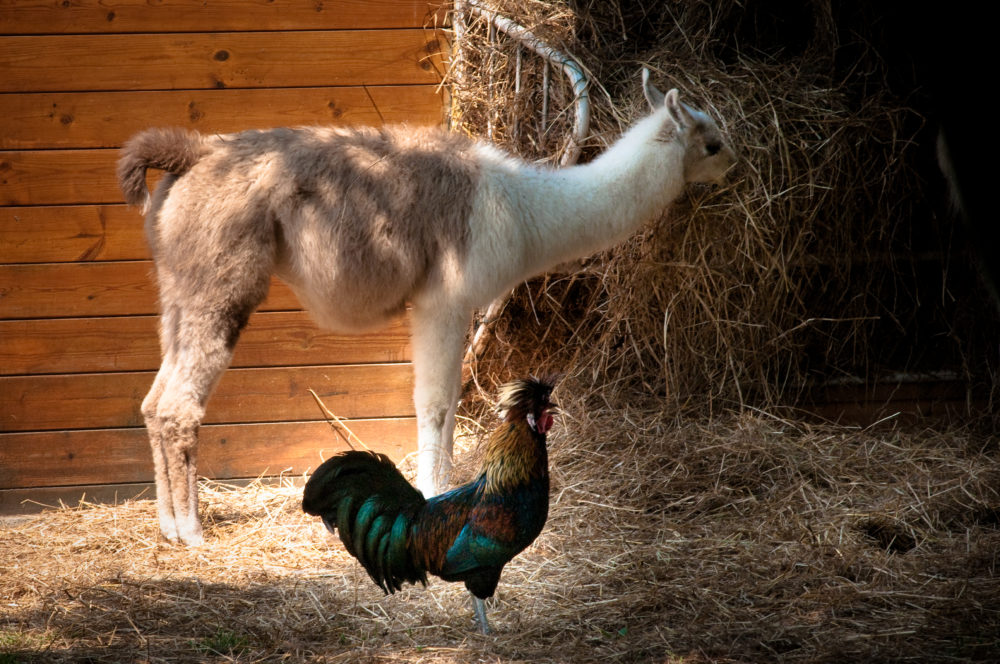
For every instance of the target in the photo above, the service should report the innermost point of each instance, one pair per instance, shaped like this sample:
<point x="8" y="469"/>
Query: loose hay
<point x="741" y="540"/>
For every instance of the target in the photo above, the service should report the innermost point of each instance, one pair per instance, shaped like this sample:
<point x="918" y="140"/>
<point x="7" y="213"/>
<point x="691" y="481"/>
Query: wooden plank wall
<point x="78" y="346"/>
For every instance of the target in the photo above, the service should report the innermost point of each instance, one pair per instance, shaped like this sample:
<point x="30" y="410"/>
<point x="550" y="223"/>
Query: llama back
<point x="355" y="220"/>
<point x="368" y="216"/>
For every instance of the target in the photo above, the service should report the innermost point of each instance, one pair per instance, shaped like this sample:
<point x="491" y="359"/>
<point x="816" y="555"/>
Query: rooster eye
<point x="713" y="148"/>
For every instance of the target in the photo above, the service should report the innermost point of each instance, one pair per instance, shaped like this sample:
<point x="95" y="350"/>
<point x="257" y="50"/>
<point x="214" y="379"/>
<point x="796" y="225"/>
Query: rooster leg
<point x="484" y="624"/>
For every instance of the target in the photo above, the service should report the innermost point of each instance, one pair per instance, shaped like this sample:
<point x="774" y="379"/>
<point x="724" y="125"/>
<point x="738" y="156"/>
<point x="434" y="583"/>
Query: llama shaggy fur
<point x="360" y="222"/>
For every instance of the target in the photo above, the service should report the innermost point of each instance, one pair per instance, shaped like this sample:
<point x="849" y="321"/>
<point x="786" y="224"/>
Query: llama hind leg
<point x="197" y="365"/>
<point x="179" y="419"/>
<point x="164" y="502"/>
<point x="438" y="338"/>
<point x="150" y="406"/>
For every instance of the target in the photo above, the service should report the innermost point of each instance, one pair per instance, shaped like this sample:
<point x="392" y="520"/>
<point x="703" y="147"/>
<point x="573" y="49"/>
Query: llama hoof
<point x="191" y="535"/>
<point x="179" y="533"/>
<point x="193" y="539"/>
<point x="169" y="533"/>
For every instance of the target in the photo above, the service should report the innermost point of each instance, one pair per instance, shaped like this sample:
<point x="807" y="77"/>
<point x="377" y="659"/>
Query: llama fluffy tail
<point x="172" y="150"/>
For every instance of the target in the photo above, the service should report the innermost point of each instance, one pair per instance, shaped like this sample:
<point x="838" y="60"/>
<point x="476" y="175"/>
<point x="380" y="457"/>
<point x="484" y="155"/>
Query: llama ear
<point x="694" y="116"/>
<point x="676" y="109"/>
<point x="653" y="96"/>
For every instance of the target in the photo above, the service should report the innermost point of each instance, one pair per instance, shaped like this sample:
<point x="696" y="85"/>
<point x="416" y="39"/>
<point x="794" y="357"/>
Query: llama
<point x="360" y="222"/>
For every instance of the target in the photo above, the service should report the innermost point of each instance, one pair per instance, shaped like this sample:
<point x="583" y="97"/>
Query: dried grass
<point x="747" y="539"/>
<point x="830" y="254"/>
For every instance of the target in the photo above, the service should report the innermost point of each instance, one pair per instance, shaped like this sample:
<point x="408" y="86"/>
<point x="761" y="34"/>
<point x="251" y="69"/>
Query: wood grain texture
<point x="225" y="451"/>
<point x="108" y="16"/>
<point x="54" y="234"/>
<point x="74" y="290"/>
<point x="58" y="177"/>
<point x="129" y="343"/>
<point x="77" y="401"/>
<point x="107" y="119"/>
<point x="200" y="61"/>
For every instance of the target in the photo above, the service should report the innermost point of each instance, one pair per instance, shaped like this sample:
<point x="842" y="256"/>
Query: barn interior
<point x="779" y="431"/>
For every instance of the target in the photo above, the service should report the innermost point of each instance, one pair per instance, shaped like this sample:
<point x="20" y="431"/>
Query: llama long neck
<point x="574" y="212"/>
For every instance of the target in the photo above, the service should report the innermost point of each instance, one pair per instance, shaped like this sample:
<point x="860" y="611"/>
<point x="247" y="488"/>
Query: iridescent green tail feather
<point x="371" y="505"/>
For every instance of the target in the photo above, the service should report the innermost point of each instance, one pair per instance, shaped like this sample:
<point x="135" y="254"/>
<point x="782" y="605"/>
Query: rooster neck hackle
<point x="515" y="455"/>
<point x="515" y="452"/>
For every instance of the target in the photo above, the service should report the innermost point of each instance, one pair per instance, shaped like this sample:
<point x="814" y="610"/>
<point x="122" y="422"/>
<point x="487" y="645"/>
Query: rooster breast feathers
<point x="469" y="534"/>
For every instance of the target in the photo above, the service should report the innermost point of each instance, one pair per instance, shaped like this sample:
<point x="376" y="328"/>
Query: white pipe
<point x="573" y="71"/>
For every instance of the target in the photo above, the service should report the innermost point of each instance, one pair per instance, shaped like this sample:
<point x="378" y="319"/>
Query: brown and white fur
<point x="360" y="222"/>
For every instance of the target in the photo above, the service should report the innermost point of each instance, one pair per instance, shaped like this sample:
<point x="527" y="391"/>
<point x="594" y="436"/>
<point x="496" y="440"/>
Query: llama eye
<point x="713" y="148"/>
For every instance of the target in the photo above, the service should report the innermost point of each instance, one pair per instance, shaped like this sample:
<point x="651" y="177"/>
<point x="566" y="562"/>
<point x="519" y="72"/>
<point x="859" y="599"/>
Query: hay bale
<point x="822" y="257"/>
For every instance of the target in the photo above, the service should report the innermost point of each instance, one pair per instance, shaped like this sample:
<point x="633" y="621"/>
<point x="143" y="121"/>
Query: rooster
<point x="467" y="534"/>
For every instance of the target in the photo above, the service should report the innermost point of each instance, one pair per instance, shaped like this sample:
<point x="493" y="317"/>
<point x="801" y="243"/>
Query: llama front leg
<point x="438" y="340"/>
